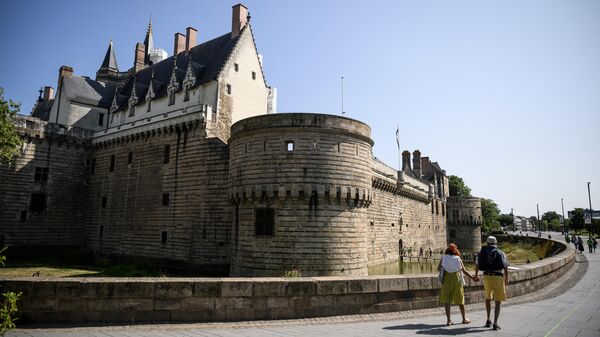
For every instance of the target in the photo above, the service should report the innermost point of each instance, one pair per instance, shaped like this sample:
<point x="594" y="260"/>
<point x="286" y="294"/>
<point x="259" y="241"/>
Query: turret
<point x="109" y="69"/>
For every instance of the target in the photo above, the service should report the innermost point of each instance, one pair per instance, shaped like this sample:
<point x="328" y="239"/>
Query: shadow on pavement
<point x="436" y="329"/>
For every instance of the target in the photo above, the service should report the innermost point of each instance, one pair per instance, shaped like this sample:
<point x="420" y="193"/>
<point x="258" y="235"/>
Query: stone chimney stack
<point x="48" y="93"/>
<point x="64" y="71"/>
<point x="140" y="56"/>
<point x="179" y="44"/>
<point x="239" y="20"/>
<point x="190" y="38"/>
<point x="417" y="163"/>
<point x="405" y="160"/>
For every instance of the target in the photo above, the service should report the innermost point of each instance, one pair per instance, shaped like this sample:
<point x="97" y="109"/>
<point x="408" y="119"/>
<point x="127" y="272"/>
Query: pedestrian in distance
<point x="494" y="264"/>
<point x="590" y="244"/>
<point x="594" y="243"/>
<point x="451" y="270"/>
<point x="580" y="245"/>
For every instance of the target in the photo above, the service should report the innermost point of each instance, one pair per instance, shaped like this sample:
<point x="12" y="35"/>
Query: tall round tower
<point x="464" y="222"/>
<point x="300" y="185"/>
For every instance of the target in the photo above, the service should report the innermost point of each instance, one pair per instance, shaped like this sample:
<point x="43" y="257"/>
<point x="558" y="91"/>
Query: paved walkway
<point x="572" y="309"/>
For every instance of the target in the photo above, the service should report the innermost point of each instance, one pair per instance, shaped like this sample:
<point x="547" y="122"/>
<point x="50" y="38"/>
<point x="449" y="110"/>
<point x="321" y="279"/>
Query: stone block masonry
<point x="128" y="300"/>
<point x="40" y="193"/>
<point x="161" y="196"/>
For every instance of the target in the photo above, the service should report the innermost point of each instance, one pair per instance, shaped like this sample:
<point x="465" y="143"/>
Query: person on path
<point x="594" y="243"/>
<point x="453" y="282"/>
<point x="590" y="244"/>
<point x="494" y="264"/>
<point x="421" y="252"/>
<point x="580" y="245"/>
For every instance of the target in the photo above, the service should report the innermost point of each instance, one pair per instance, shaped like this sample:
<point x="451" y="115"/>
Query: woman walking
<point x="453" y="281"/>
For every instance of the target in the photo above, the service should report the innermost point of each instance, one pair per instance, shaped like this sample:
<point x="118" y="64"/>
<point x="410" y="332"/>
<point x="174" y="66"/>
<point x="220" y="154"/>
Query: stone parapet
<point x="37" y="128"/>
<point x="138" y="300"/>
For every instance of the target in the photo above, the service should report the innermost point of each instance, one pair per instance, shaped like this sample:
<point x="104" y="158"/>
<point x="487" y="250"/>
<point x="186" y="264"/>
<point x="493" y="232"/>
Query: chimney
<point x="48" y="93"/>
<point x="239" y="20"/>
<point x="140" y="56"/>
<point x="417" y="163"/>
<point x="190" y="38"/>
<point x="405" y="160"/>
<point x="64" y="71"/>
<point x="179" y="45"/>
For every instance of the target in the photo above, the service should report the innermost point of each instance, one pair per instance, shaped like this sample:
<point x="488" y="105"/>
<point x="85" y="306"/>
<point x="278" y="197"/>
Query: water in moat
<point x="406" y="266"/>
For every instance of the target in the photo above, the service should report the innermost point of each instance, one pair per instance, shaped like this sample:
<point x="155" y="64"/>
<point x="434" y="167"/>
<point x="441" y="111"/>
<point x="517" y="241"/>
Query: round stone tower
<point x="300" y="186"/>
<point x="464" y="223"/>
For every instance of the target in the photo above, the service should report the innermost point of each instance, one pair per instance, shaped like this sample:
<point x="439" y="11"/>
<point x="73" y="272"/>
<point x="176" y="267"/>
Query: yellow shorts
<point x="493" y="286"/>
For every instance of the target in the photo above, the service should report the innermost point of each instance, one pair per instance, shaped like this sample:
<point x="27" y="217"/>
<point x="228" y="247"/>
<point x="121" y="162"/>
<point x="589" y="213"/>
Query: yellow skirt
<point x="452" y="290"/>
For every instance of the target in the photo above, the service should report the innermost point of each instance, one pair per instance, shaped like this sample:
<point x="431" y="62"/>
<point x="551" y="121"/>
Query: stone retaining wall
<point x="131" y="300"/>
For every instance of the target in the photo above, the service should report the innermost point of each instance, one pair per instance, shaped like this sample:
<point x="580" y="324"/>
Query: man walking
<point x="494" y="264"/>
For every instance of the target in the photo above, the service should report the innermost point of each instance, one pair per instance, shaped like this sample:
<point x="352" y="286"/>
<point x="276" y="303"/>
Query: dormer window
<point x="131" y="110"/>
<point x="149" y="107"/>
<point x="171" y="97"/>
<point x="186" y="95"/>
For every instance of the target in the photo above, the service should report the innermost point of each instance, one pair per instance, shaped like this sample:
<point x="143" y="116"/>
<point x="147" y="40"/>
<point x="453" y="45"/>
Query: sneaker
<point x="488" y="324"/>
<point x="496" y="327"/>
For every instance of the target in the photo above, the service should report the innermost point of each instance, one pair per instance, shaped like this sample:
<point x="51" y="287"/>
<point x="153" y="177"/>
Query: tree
<point x="550" y="215"/>
<point x="489" y="213"/>
<point x="9" y="139"/>
<point x="458" y="187"/>
<point x="505" y="220"/>
<point x="577" y="220"/>
<point x="551" y="220"/>
<point x="534" y="223"/>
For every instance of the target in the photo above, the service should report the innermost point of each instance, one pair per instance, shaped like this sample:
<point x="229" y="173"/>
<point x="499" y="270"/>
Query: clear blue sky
<point x="505" y="94"/>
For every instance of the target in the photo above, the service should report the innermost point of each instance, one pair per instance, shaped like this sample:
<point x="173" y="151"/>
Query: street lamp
<point x="513" y="219"/>
<point x="538" y="219"/>
<point x="591" y="211"/>
<point x="563" y="216"/>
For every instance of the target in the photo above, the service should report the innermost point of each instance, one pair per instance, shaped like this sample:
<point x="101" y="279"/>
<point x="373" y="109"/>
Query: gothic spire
<point x="110" y="61"/>
<point x="148" y="41"/>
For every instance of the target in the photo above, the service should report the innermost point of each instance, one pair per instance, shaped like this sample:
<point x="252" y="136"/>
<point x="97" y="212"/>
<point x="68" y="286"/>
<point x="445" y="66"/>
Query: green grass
<point x="44" y="270"/>
<point x="518" y="254"/>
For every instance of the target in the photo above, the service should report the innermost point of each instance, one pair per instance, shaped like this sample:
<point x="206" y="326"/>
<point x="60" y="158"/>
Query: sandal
<point x="466" y="321"/>
<point x="488" y="324"/>
<point x="449" y="324"/>
<point x="496" y="327"/>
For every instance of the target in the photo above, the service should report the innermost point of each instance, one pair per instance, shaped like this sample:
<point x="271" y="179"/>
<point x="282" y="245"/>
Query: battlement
<point x="322" y="122"/>
<point x="37" y="128"/>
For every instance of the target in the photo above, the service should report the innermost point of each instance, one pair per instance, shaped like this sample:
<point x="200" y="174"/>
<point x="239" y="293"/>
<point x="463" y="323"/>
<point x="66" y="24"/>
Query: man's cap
<point x="491" y="240"/>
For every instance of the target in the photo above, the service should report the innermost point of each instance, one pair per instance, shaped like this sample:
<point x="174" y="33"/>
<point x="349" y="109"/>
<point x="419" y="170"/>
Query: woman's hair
<point x="452" y="250"/>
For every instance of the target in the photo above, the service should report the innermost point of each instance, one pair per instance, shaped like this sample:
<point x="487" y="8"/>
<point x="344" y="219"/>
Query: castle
<point x="184" y="161"/>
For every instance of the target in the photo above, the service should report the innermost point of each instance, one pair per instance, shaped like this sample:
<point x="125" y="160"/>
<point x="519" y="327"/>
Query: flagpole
<point x="398" y="145"/>
<point x="343" y="112"/>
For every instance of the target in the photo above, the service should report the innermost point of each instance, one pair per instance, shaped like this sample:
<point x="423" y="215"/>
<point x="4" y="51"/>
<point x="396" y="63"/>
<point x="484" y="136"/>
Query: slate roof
<point x="207" y="60"/>
<point x="110" y="61"/>
<point x="87" y="91"/>
<point x="42" y="108"/>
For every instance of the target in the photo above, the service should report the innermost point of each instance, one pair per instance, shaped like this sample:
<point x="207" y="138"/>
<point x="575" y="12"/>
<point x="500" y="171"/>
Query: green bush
<point x="8" y="305"/>
<point x="292" y="273"/>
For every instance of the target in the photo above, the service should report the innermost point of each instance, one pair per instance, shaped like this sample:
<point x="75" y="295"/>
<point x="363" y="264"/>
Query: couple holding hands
<point x="494" y="264"/>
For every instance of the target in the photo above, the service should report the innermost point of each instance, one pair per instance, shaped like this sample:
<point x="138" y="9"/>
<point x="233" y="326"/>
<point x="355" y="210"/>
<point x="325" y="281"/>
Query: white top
<point x="451" y="263"/>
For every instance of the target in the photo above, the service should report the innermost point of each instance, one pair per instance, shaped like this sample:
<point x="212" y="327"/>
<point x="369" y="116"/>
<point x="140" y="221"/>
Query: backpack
<point x="490" y="259"/>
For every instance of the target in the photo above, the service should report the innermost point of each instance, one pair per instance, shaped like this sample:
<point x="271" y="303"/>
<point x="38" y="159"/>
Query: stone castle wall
<point x="54" y="218"/>
<point x="464" y="223"/>
<point x="319" y="190"/>
<point x="174" y="209"/>
<point x="397" y="222"/>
